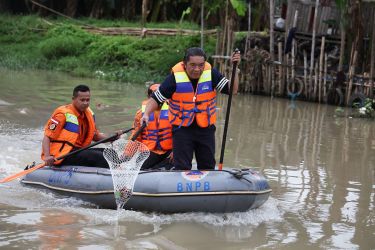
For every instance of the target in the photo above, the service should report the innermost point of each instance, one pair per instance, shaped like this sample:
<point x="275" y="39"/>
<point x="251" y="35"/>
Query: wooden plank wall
<point x="325" y="12"/>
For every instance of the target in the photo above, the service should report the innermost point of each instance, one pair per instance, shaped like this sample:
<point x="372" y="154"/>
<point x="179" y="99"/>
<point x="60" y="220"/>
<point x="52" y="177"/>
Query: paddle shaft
<point x="234" y="68"/>
<point x="94" y="144"/>
<point x="24" y="172"/>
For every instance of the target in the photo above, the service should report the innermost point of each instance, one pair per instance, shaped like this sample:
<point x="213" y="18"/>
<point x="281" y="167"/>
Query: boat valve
<point x="238" y="173"/>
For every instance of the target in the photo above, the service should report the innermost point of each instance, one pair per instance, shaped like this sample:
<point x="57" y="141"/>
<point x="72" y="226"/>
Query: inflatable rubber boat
<point x="229" y="190"/>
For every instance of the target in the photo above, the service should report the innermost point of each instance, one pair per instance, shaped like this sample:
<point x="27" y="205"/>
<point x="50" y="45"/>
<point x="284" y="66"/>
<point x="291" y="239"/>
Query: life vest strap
<point x="63" y="144"/>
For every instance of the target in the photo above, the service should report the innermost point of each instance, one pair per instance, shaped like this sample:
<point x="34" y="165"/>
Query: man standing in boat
<point x="72" y="127"/>
<point x="157" y="136"/>
<point x="191" y="90"/>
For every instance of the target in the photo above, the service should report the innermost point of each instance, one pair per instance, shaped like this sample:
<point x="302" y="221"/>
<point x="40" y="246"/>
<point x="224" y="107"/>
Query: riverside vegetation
<point x="32" y="42"/>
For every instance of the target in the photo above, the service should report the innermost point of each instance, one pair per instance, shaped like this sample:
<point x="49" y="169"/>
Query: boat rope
<point x="171" y="194"/>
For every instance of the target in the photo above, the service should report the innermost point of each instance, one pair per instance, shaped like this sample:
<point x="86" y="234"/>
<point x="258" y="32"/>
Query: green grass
<point x="61" y="44"/>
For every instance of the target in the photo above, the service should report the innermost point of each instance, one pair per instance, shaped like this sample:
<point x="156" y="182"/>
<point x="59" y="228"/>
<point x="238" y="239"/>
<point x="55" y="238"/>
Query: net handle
<point x="134" y="137"/>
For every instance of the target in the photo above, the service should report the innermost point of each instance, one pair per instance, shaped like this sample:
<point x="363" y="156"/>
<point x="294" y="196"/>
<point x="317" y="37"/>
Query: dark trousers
<point x="194" y="139"/>
<point x="92" y="157"/>
<point x="158" y="161"/>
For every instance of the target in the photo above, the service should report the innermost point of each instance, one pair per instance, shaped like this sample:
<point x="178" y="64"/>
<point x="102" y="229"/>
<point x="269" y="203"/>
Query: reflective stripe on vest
<point x="71" y="123"/>
<point x="68" y="136"/>
<point x="185" y="105"/>
<point x="158" y="133"/>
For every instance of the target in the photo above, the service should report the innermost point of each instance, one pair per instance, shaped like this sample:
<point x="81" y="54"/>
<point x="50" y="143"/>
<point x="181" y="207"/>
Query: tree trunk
<point x="156" y="7"/>
<point x="195" y="11"/>
<point x="130" y="10"/>
<point x="71" y="8"/>
<point x="4" y="5"/>
<point x="342" y="47"/>
<point x="144" y="12"/>
<point x="357" y="30"/>
<point x="97" y="10"/>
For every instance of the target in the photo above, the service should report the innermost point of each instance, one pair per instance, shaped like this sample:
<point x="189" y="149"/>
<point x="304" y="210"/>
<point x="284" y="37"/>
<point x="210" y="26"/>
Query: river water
<point x="319" y="166"/>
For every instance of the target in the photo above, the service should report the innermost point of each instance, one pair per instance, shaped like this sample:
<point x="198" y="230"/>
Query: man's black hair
<point x="80" y="88"/>
<point x="194" y="51"/>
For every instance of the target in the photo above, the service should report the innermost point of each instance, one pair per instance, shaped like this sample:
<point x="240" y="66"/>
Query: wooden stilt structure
<point x="321" y="62"/>
<point x="372" y="67"/>
<point x="272" y="42"/>
<point x="313" y="48"/>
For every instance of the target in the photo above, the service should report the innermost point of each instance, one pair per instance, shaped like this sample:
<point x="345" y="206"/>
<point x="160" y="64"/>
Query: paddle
<point x="234" y="68"/>
<point x="22" y="173"/>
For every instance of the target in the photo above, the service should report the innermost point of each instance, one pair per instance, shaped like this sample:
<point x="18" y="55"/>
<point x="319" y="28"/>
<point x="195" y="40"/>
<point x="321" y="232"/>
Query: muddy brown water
<point x="320" y="168"/>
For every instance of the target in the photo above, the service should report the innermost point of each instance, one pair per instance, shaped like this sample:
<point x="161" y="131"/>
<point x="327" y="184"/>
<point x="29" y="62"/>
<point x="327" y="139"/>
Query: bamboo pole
<point x="316" y="79"/>
<point x="313" y="44"/>
<point x="144" y="13"/>
<point x="272" y="7"/>
<point x="287" y="79"/>
<point x="342" y="47"/>
<point x="294" y="45"/>
<point x="372" y="69"/>
<point x="247" y="43"/>
<point x="217" y="49"/>
<point x="202" y="23"/>
<point x="224" y="38"/>
<point x="325" y="76"/>
<point x="305" y="74"/>
<point x="321" y="67"/>
<point x="351" y="74"/>
<point x="280" y="58"/>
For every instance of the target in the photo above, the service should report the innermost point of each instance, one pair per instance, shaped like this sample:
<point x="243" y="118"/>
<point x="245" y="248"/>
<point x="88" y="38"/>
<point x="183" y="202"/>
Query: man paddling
<point x="191" y="90"/>
<point x="72" y="127"/>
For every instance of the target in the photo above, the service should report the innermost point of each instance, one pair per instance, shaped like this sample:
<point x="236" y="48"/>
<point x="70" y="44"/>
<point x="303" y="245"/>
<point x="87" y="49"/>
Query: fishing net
<point x="125" y="158"/>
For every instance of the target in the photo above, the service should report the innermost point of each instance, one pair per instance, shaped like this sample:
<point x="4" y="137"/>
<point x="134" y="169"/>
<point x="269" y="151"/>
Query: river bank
<point x="32" y="42"/>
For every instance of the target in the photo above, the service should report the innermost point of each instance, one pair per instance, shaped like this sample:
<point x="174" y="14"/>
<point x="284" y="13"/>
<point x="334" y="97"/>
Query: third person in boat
<point x="191" y="90"/>
<point x="157" y="136"/>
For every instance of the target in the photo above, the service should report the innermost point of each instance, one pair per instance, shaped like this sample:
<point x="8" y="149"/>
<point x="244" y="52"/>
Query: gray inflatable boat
<point x="229" y="190"/>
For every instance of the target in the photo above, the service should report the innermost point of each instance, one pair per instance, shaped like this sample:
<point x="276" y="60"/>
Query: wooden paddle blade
<point x="19" y="174"/>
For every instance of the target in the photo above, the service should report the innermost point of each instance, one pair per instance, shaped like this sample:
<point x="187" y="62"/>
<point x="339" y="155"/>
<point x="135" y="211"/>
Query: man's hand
<point x="236" y="57"/>
<point x="49" y="160"/>
<point x="151" y="106"/>
<point x="145" y="118"/>
<point x="170" y="157"/>
<point x="118" y="134"/>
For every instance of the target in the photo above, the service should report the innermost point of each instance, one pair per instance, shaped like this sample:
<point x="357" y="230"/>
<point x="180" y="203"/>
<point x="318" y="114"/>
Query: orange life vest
<point x="69" y="134"/>
<point x="158" y="133"/>
<point x="185" y="105"/>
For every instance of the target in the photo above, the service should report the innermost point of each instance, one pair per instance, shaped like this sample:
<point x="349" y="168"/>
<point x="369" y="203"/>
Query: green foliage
<point x="69" y="30"/>
<point x="66" y="47"/>
<point x="64" y="40"/>
<point x="367" y="110"/>
<point x="239" y="6"/>
<point x="185" y="13"/>
<point x="60" y="46"/>
<point x="342" y="6"/>
<point x="122" y="23"/>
